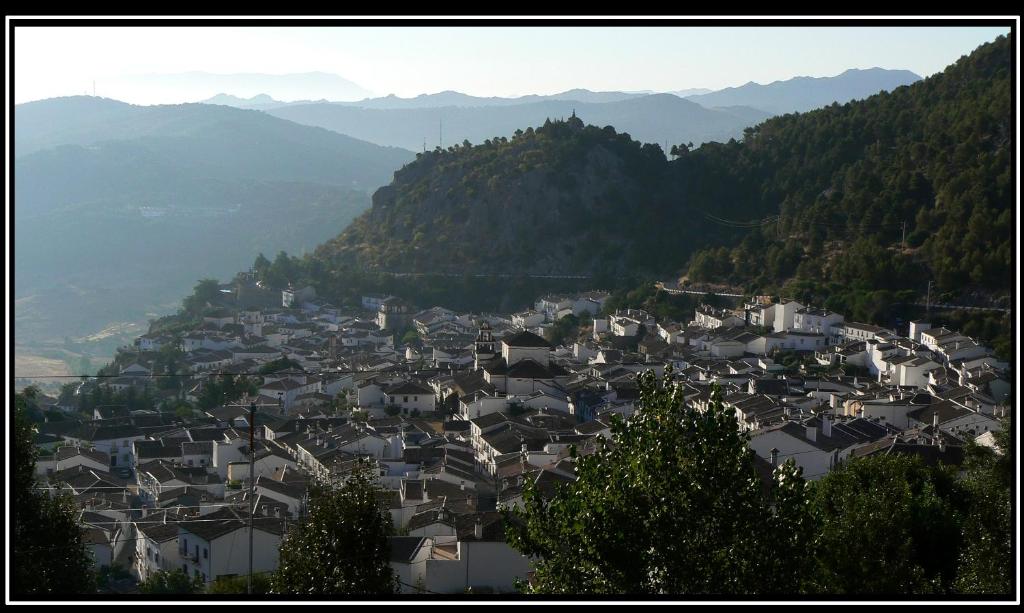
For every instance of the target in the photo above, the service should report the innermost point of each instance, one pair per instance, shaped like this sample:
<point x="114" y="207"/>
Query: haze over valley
<point x="152" y="198"/>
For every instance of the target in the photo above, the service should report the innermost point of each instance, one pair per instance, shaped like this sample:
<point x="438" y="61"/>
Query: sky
<point x="482" y="61"/>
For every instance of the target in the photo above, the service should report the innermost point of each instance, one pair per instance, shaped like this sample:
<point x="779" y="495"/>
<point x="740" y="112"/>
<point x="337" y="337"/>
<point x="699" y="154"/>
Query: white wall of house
<point x="515" y="354"/>
<point x="484" y="406"/>
<point x="916" y="376"/>
<point x="151" y="556"/>
<point x="547" y="401"/>
<point x="784" y="315"/>
<point x="888" y="413"/>
<point x="523" y="387"/>
<point x="370" y="395"/>
<point x="814" y="461"/>
<point x="728" y="349"/>
<point x="224" y="454"/>
<point x="120" y="450"/>
<point x="809" y="322"/>
<point x="413" y="572"/>
<point x="762" y="316"/>
<point x="372" y="445"/>
<point x="408" y="402"/>
<point x="490" y="564"/>
<point x="229" y="553"/>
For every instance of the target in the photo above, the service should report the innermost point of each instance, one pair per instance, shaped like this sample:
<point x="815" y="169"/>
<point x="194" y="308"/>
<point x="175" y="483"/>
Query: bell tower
<point x="483" y="348"/>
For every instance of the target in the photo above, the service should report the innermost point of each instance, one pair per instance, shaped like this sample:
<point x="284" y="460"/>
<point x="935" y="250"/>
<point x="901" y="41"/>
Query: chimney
<point x="478" y="529"/>
<point x="462" y="485"/>
<point x="812" y="433"/>
<point x="935" y="426"/>
<point x="775" y="457"/>
<point x="826" y="425"/>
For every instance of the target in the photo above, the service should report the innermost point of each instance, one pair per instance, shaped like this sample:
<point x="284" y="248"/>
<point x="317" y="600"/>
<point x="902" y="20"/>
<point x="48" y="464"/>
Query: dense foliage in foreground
<point x="676" y="504"/>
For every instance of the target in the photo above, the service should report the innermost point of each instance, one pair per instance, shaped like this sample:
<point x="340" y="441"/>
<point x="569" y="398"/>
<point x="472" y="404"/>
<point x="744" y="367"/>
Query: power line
<point x="192" y="375"/>
<point x="177" y="522"/>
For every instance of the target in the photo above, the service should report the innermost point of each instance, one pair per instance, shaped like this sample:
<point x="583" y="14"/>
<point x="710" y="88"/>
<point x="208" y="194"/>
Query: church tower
<point x="483" y="348"/>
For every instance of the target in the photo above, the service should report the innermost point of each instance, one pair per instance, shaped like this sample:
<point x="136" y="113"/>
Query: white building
<point x="218" y="545"/>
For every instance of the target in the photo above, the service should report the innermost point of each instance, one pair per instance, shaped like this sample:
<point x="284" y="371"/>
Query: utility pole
<point x="252" y="483"/>
<point x="928" y="301"/>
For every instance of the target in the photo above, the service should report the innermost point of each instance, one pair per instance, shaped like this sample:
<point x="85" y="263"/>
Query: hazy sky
<point x="484" y="61"/>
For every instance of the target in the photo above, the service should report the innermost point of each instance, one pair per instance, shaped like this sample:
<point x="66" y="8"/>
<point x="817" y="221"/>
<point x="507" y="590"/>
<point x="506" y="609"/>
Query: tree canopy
<point x="175" y="581"/>
<point x="886" y="524"/>
<point x="48" y="553"/>
<point x="674" y="505"/>
<point x="342" y="546"/>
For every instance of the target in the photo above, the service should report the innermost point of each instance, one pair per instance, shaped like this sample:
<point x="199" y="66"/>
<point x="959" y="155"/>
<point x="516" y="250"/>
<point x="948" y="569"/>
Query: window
<point x="206" y="554"/>
<point x="156" y="556"/>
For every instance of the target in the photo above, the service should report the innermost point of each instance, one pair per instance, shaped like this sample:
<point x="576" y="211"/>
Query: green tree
<point x="176" y="581"/>
<point x="563" y="330"/>
<point x="986" y="562"/>
<point x="184" y="411"/>
<point x="261" y="266"/>
<point x="49" y="556"/>
<point x="240" y="585"/>
<point x="278" y="364"/>
<point x="885" y="525"/>
<point x="674" y="505"/>
<point x="342" y="546"/>
<point x="207" y="291"/>
<point x="411" y="336"/>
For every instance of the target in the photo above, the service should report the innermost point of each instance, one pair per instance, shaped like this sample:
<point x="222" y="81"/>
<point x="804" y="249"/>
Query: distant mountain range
<point x="133" y="204"/>
<point x="197" y="85"/>
<point x="689" y="115"/>
<point x="801" y="94"/>
<point x="798" y="94"/>
<point x="223" y="141"/>
<point x="657" y="118"/>
<point x="438" y="100"/>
